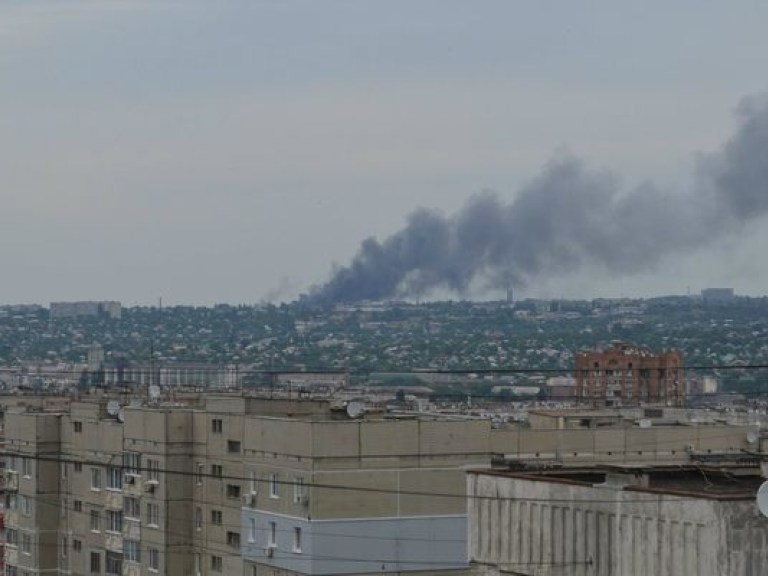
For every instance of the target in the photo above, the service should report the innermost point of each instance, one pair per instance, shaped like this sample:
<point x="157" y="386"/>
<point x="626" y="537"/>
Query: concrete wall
<point x="537" y="527"/>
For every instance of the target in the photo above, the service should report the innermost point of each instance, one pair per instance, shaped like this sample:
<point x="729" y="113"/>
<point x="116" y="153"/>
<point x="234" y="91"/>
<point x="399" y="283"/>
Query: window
<point x="26" y="467"/>
<point x="95" y="479"/>
<point x="26" y="543"/>
<point x="200" y="473"/>
<point x="272" y="535"/>
<point x="233" y="491"/>
<point x="198" y="518"/>
<point x="154" y="559"/>
<point x="153" y="470"/>
<point x="217" y="564"/>
<point x="25" y="505"/>
<point x="95" y="521"/>
<point x="233" y="446"/>
<point x="114" y="521"/>
<point x="217" y="426"/>
<point x="216" y="516"/>
<point x="113" y="563"/>
<point x="12" y="464"/>
<point x="298" y="489"/>
<point x="217" y="471"/>
<point x="114" y="478"/>
<point x="77" y="545"/>
<point x="95" y="563"/>
<point x="233" y="539"/>
<point x="153" y="514"/>
<point x="297" y="539"/>
<point x="132" y="463"/>
<point x="64" y="546"/>
<point x="78" y="505"/>
<point x="12" y="536"/>
<point x="198" y="564"/>
<point x="131" y="507"/>
<point x="78" y="466"/>
<point x="252" y="530"/>
<point x="11" y="570"/>
<point x="11" y="501"/>
<point x="131" y="551"/>
<point x="274" y="486"/>
<point x="77" y="427"/>
<point x="254" y="484"/>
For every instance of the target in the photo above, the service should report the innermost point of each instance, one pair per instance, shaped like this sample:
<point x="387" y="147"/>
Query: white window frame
<point x="274" y="485"/>
<point x="153" y="560"/>
<point x="252" y="530"/>
<point x="298" y="489"/>
<point x="153" y="515"/>
<point x="272" y="542"/>
<point x="96" y="479"/>
<point x="297" y="537"/>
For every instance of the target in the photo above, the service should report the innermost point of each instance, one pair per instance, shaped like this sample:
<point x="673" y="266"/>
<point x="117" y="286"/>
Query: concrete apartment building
<point x="618" y="521"/>
<point x="626" y="375"/>
<point x="234" y="485"/>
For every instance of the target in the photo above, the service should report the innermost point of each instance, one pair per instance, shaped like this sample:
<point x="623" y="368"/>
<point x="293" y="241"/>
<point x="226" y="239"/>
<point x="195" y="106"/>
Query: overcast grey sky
<point x="210" y="152"/>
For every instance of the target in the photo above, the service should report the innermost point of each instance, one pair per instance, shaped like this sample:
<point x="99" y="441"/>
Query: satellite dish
<point x="113" y="407"/>
<point x="154" y="392"/>
<point x="752" y="437"/>
<point x="355" y="409"/>
<point x="762" y="499"/>
<point x="121" y="415"/>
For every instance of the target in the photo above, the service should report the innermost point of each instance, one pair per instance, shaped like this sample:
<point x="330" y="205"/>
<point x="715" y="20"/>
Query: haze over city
<point x="240" y="152"/>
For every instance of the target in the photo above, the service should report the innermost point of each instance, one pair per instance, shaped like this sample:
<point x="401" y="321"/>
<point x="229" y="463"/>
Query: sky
<point x="206" y="152"/>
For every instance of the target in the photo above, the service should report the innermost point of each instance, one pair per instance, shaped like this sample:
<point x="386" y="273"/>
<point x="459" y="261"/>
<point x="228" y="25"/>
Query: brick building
<point x="627" y="374"/>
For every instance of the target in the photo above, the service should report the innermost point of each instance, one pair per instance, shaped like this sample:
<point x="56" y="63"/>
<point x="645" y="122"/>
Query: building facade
<point x="234" y="485"/>
<point x="626" y="375"/>
<point x="618" y="521"/>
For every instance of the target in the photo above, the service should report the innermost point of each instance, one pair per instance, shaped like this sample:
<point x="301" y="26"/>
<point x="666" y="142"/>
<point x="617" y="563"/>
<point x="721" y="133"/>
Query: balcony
<point x="11" y="517"/>
<point x="131" y="569"/>
<point x="131" y="529"/>
<point x="113" y="500"/>
<point x="113" y="542"/>
<point x="11" y="480"/>
<point x="132" y="485"/>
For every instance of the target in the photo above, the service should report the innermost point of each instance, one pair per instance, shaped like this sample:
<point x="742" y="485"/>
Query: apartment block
<point x="233" y="485"/>
<point x="626" y="375"/>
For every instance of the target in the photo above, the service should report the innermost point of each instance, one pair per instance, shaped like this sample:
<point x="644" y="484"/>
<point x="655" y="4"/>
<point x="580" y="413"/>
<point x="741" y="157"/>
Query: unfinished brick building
<point x="629" y="375"/>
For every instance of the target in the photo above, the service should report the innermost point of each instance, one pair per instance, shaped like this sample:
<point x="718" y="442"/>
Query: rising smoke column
<point x="568" y="217"/>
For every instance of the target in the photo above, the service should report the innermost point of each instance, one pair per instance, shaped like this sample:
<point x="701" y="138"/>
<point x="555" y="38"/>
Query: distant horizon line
<point x="395" y="301"/>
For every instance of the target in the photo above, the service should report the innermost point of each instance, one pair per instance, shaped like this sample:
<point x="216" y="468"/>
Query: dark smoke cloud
<point x="567" y="218"/>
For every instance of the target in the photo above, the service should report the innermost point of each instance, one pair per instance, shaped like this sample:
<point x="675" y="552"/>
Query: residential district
<point x="539" y="438"/>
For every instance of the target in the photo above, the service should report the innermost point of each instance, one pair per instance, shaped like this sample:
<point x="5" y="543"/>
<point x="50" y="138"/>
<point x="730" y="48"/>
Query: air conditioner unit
<point x="129" y="479"/>
<point x="150" y="487"/>
<point x="269" y="551"/>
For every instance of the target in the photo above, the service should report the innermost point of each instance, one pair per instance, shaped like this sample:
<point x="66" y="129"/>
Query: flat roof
<point x="709" y="482"/>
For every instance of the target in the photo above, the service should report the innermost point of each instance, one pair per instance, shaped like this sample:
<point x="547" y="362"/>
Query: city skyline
<point x="238" y="152"/>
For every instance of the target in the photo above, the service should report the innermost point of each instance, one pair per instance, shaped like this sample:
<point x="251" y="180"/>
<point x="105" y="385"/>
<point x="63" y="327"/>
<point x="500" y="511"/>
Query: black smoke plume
<point x="568" y="217"/>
